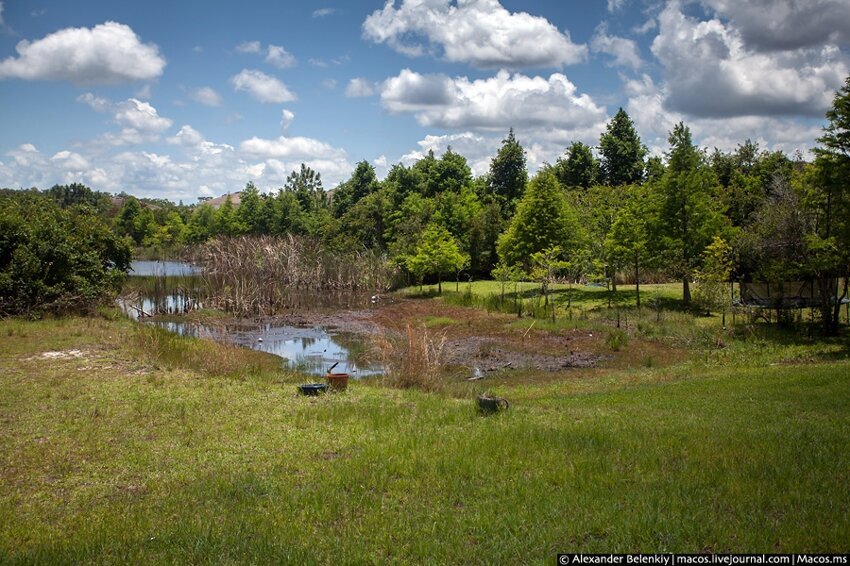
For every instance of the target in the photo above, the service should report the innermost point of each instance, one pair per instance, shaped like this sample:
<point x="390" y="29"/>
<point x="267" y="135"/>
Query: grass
<point x="135" y="449"/>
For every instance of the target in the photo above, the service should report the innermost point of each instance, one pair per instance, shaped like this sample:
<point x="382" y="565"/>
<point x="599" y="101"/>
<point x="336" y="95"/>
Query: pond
<point x="172" y="288"/>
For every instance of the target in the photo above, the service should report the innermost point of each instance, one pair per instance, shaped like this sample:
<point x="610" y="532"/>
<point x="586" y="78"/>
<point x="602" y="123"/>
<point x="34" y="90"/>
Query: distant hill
<point x="216" y="202"/>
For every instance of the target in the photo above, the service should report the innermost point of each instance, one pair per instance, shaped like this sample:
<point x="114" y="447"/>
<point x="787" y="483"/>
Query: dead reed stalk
<point x="413" y="361"/>
<point x="264" y="275"/>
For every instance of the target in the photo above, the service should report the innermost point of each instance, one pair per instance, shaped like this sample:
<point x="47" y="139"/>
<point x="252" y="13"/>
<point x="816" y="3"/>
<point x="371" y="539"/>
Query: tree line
<point x="614" y="214"/>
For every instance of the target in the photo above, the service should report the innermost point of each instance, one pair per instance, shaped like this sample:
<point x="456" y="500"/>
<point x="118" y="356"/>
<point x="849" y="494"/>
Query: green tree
<point x="307" y="186"/>
<point x="546" y="264"/>
<point x="226" y="221"/>
<point x="689" y="219"/>
<point x="286" y="215"/>
<point x="251" y="212"/>
<point x="76" y="194"/>
<point x="622" y="152"/>
<point x="172" y="233"/>
<point x="363" y="182"/>
<point x="437" y="254"/>
<point x="579" y="169"/>
<point x="712" y="277"/>
<point x="627" y="243"/>
<point x="453" y="173"/>
<point x="201" y="225"/>
<point x="543" y="220"/>
<point x="654" y="168"/>
<point x="54" y="260"/>
<point x="364" y="223"/>
<point x="126" y="222"/>
<point x="829" y="197"/>
<point x="508" y="174"/>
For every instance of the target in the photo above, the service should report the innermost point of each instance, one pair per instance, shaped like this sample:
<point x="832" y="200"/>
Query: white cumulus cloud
<point x="290" y="148"/>
<point x="108" y="53"/>
<point x="206" y="96"/>
<point x="279" y="57"/>
<point x="654" y="122"/>
<point x="261" y="86"/>
<point x="492" y="104"/>
<point x="479" y="32"/>
<point x="359" y="87"/>
<point x="139" y="121"/>
<point x="141" y="116"/>
<point x="624" y="51"/>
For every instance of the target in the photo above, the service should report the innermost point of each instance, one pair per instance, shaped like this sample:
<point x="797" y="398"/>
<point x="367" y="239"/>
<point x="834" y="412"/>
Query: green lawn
<point x="119" y="452"/>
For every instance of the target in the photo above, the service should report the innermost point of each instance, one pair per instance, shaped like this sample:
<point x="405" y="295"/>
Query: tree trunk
<point x="686" y="291"/>
<point x="637" y="282"/>
<point x="829" y="312"/>
<point x="613" y="279"/>
<point x="439" y="285"/>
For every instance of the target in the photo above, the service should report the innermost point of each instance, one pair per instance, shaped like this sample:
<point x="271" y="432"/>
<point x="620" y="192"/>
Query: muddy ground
<point x="469" y="338"/>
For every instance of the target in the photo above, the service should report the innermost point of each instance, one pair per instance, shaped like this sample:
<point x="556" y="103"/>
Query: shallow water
<point x="158" y="287"/>
<point x="311" y="350"/>
<point x="163" y="268"/>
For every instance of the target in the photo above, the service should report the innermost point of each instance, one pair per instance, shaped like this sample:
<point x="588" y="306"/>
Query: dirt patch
<point x="488" y="355"/>
<point x="63" y="355"/>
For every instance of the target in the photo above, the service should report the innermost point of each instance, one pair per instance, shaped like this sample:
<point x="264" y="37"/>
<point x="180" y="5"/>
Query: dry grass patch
<point x="413" y="360"/>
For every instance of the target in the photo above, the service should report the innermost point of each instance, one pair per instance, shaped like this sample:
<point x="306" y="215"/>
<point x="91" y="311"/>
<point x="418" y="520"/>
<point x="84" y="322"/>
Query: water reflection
<point x="163" y="268"/>
<point x="311" y="350"/>
<point x="169" y="287"/>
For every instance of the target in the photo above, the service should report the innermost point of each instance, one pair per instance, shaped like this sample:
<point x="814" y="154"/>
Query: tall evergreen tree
<point x="307" y="186"/>
<point x="622" y="152"/>
<point x="227" y="222"/>
<point x="250" y="213"/>
<point x="508" y="175"/>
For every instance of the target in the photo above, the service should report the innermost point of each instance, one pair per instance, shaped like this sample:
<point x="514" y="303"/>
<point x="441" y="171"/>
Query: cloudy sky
<point x="186" y="99"/>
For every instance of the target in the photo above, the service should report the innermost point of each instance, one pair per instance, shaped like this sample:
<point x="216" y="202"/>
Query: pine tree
<point x="508" y="175"/>
<point x="622" y="152"/>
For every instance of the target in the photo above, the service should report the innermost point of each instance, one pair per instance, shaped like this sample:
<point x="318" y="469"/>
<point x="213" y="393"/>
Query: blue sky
<point x="187" y="99"/>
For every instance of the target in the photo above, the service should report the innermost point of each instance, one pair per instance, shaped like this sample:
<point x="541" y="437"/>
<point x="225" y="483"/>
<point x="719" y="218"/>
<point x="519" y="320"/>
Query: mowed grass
<point x="125" y="450"/>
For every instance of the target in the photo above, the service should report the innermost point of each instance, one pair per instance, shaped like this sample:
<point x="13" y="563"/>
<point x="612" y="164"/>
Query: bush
<point x="56" y="260"/>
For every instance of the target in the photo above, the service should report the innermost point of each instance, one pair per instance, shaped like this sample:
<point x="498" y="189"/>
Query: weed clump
<point x="413" y="361"/>
<point x="617" y="339"/>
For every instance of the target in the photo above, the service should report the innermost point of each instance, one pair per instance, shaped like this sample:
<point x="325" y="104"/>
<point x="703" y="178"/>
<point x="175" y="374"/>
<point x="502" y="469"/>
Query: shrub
<point x="56" y="260"/>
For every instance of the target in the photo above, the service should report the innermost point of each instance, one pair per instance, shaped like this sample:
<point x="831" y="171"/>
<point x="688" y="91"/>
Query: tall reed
<point x="414" y="360"/>
<point x="263" y="275"/>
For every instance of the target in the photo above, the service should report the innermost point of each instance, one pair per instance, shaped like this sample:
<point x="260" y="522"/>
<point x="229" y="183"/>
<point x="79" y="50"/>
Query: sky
<point x="196" y="98"/>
